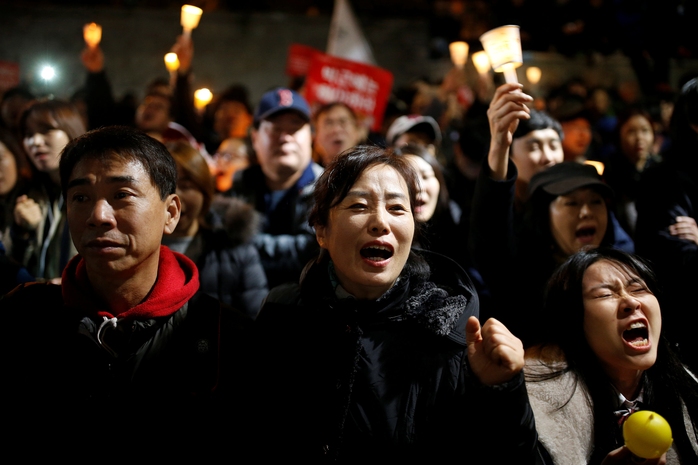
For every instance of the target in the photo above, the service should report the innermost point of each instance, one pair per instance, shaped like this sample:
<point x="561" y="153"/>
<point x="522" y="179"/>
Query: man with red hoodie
<point x="126" y="339"/>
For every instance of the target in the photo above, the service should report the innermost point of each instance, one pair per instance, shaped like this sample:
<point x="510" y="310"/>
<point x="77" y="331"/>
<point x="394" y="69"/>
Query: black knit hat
<point x="563" y="178"/>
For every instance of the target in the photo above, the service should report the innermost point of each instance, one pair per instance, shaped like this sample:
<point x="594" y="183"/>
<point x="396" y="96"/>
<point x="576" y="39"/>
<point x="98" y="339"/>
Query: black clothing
<point x="667" y="192"/>
<point x="356" y="381"/>
<point x="76" y="381"/>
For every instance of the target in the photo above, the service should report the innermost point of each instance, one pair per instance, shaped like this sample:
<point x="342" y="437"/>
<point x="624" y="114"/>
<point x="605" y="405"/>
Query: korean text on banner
<point x="364" y="88"/>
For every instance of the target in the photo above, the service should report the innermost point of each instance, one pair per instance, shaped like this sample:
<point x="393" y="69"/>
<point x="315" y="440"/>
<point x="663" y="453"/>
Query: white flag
<point x="346" y="39"/>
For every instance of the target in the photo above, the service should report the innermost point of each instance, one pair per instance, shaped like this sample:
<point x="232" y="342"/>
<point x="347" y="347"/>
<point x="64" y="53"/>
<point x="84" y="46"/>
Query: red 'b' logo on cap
<point x="285" y="98"/>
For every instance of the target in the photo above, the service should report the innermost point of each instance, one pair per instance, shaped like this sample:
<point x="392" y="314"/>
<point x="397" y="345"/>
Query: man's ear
<point x="174" y="208"/>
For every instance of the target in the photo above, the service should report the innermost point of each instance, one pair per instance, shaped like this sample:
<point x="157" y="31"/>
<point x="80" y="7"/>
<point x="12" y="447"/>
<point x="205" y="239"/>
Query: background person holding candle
<point x="603" y="356"/>
<point x="569" y="208"/>
<point x="166" y="112"/>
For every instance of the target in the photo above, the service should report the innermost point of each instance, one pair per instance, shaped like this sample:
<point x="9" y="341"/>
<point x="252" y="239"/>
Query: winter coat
<point x="387" y="380"/>
<point x="564" y="415"/>
<point x="229" y="265"/>
<point x="169" y="369"/>
<point x="285" y="242"/>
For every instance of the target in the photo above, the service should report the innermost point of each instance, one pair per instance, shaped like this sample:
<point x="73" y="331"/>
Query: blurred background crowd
<point x="609" y="74"/>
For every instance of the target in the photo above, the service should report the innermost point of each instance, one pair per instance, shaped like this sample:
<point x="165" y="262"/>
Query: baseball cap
<point x="278" y="100"/>
<point x="563" y="178"/>
<point x="407" y="123"/>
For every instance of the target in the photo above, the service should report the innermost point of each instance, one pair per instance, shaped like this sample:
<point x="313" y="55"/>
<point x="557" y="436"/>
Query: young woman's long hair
<point x="668" y="386"/>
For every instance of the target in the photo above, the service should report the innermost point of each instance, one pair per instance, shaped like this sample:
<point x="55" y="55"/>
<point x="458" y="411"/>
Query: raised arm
<point x="506" y="109"/>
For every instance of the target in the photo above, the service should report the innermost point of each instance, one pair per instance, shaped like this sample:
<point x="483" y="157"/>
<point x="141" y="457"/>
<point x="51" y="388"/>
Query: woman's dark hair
<point x="442" y="205"/>
<point x="684" y="139"/>
<point x="538" y="120"/>
<point x="667" y="384"/>
<point x="44" y="115"/>
<point x="342" y="173"/>
<point x="125" y="143"/>
<point x="338" y="178"/>
<point x="24" y="170"/>
<point x="195" y="168"/>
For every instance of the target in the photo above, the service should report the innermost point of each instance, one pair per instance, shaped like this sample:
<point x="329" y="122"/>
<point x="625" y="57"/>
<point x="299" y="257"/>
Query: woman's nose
<point x="629" y="304"/>
<point x="35" y="139"/>
<point x="379" y="222"/>
<point x="585" y="211"/>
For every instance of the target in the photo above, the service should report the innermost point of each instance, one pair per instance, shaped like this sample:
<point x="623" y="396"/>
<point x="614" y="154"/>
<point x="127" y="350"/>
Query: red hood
<point x="178" y="281"/>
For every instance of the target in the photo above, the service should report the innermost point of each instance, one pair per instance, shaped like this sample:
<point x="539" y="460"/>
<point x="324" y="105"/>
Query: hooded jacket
<point x="348" y="381"/>
<point x="166" y="366"/>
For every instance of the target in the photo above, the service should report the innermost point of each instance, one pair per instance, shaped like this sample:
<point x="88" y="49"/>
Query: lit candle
<point x="596" y="164"/>
<point x="481" y="62"/>
<point x="190" y="18"/>
<point x="459" y="53"/>
<point x="92" y="33"/>
<point x="503" y="47"/>
<point x="533" y="74"/>
<point x="171" y="62"/>
<point x="202" y="97"/>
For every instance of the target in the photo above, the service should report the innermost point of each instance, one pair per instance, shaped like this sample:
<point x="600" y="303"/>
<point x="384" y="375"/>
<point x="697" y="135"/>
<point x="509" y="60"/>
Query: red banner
<point x="299" y="58"/>
<point x="9" y="75"/>
<point x="363" y="88"/>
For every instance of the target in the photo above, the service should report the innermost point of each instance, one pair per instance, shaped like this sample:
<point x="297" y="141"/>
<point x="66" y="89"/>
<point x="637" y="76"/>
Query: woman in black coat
<point x="377" y="354"/>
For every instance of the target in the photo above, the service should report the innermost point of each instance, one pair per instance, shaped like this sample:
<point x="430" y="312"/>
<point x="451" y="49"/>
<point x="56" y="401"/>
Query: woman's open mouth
<point x="586" y="234"/>
<point x="637" y="335"/>
<point x="376" y="254"/>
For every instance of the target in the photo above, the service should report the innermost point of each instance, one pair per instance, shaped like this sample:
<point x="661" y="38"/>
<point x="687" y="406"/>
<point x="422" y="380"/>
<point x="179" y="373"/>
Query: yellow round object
<point x="647" y="434"/>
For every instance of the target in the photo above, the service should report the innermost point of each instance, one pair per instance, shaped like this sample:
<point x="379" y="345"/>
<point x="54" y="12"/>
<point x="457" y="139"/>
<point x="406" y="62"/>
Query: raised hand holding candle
<point x="533" y="74"/>
<point x="503" y="47"/>
<point x="202" y="97"/>
<point x="92" y="33"/>
<point x="189" y="18"/>
<point x="171" y="62"/>
<point x="481" y="62"/>
<point x="459" y="53"/>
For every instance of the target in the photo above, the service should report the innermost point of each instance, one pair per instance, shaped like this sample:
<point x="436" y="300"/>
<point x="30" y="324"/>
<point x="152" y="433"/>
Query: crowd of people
<point x="501" y="283"/>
